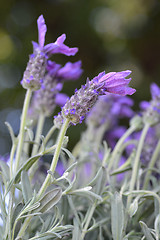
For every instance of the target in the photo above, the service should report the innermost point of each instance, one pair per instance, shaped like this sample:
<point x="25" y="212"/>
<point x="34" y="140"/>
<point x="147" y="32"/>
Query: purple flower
<point x="116" y="82"/>
<point x="155" y="91"/>
<point x="60" y="168"/>
<point x="70" y="71"/>
<point x="36" y="67"/>
<point x="151" y="110"/>
<point x="52" y="48"/>
<point x="149" y="145"/>
<point x="48" y="96"/>
<point x="60" y="47"/>
<point x="82" y="101"/>
<point x="117" y="107"/>
<point x="61" y="99"/>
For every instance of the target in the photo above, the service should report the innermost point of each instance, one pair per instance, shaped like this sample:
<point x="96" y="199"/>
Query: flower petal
<point x="42" y="29"/>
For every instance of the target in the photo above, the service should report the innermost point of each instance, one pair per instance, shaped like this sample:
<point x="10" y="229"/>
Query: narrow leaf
<point x="11" y="132"/>
<point x="157" y="226"/>
<point x="70" y="155"/>
<point x="71" y="167"/>
<point x="26" y="166"/>
<point x="26" y="186"/>
<point x="146" y="231"/>
<point x="117" y="216"/>
<point x="85" y="192"/>
<point x="16" y="212"/>
<point x="50" y="199"/>
<point x="133" y="208"/>
<point x="5" y="170"/>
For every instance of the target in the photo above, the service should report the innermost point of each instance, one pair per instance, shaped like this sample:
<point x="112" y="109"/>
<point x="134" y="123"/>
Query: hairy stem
<point x="89" y="217"/>
<point x="136" y="162"/>
<point x="22" y="128"/>
<point x="48" y="178"/>
<point x="38" y="134"/>
<point x="118" y="146"/>
<point x="36" y="145"/>
<point x="151" y="165"/>
<point x="55" y="158"/>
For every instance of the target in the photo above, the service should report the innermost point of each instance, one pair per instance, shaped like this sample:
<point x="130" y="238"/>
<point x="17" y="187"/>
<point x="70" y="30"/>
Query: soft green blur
<point x="111" y="35"/>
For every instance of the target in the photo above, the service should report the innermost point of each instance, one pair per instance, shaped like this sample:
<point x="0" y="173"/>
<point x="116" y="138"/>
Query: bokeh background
<point x="111" y="35"/>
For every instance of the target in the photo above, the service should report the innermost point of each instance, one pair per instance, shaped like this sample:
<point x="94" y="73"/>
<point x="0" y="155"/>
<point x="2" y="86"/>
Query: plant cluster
<point x="108" y="186"/>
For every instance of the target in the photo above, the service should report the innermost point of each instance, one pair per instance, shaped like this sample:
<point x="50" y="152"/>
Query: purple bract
<point x="47" y="97"/>
<point x="36" y="67"/>
<point x="82" y="101"/>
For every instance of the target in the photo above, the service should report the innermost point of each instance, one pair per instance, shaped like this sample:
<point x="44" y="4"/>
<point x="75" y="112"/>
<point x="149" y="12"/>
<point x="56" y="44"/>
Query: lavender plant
<point x="80" y="195"/>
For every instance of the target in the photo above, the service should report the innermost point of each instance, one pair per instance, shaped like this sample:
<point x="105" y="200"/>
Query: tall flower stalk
<point x="55" y="158"/>
<point x="22" y="129"/>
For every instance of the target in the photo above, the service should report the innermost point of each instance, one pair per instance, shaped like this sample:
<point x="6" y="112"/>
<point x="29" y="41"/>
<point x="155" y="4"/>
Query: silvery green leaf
<point x="123" y="168"/>
<point x="76" y="230"/>
<point x="98" y="224"/>
<point x="95" y="179"/>
<point x="11" y="132"/>
<point x="69" y="188"/>
<point x="65" y="141"/>
<point x="17" y="210"/>
<point x="5" y="171"/>
<point x="9" y="186"/>
<point x="85" y="192"/>
<point x="31" y="214"/>
<point x="157" y="226"/>
<point x="26" y="186"/>
<point x="156" y="207"/>
<point x="48" y="222"/>
<point x="3" y="208"/>
<point x="50" y="199"/>
<point x="71" y="167"/>
<point x="118" y="171"/>
<point x="30" y="133"/>
<point x="30" y="207"/>
<point x="26" y="166"/>
<point x="146" y="231"/>
<point x="133" y="207"/>
<point x="70" y="155"/>
<point x="117" y="216"/>
<point x="101" y="182"/>
<point x="46" y="236"/>
<point x="107" y="153"/>
<point x="131" y="233"/>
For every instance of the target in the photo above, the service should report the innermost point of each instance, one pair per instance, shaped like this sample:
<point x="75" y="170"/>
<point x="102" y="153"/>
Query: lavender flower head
<point x="82" y="101"/>
<point x="151" y="110"/>
<point x="36" y="67"/>
<point x="47" y="97"/>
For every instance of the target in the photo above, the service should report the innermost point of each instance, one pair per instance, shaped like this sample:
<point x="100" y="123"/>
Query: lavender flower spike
<point x="36" y="67"/>
<point x="116" y="82"/>
<point x="81" y="102"/>
<point x="47" y="97"/>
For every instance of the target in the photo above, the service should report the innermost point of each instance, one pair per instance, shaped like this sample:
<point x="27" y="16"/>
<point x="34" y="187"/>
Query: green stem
<point x="11" y="159"/>
<point x="89" y="217"/>
<point x="36" y="144"/>
<point x="22" y="128"/>
<point x="52" y="168"/>
<point x="38" y="134"/>
<point x="151" y="165"/>
<point x="136" y="162"/>
<point x="49" y="134"/>
<point x="55" y="158"/>
<point x="118" y="146"/>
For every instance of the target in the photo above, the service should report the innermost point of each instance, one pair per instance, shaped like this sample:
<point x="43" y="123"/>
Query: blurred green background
<point x="111" y="35"/>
